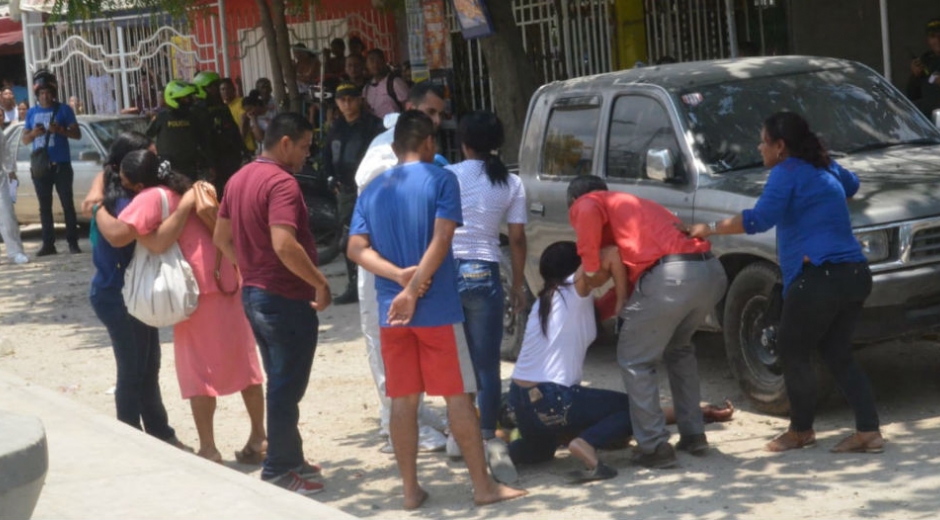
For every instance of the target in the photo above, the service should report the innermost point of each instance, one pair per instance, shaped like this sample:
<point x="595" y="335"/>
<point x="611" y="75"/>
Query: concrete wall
<point x="851" y="29"/>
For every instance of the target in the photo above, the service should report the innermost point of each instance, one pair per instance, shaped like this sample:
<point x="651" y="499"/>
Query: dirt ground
<point x="50" y="336"/>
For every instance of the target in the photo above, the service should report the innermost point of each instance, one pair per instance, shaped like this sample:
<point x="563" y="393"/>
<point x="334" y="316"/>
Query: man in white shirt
<point x="377" y="160"/>
<point x="9" y="227"/>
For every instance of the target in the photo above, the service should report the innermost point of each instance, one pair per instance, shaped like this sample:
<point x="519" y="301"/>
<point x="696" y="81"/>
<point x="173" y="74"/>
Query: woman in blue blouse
<point x="825" y="276"/>
<point x="136" y="345"/>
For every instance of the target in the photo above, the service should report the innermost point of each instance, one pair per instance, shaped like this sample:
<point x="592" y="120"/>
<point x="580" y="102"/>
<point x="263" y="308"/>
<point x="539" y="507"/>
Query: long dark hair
<point x="125" y="143"/>
<point x="559" y="261"/>
<point x="800" y="141"/>
<point x="482" y="132"/>
<point x="144" y="167"/>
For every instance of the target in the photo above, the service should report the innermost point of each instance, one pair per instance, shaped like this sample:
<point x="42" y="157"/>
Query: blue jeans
<point x="137" y="355"/>
<point x="286" y="332"/>
<point x="548" y="412"/>
<point x="61" y="179"/>
<point x="481" y="294"/>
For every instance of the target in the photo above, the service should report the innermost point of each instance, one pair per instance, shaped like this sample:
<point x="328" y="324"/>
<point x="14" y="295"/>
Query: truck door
<point x="567" y="149"/>
<point x="639" y="124"/>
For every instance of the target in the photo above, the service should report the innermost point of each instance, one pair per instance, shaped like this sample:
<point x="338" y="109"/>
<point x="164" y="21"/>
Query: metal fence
<point x="686" y="30"/>
<point x="562" y="38"/>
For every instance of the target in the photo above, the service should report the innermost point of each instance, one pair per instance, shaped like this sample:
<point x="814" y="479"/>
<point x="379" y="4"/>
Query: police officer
<point x="346" y="144"/>
<point x="225" y="144"/>
<point x="923" y="87"/>
<point x="179" y="131"/>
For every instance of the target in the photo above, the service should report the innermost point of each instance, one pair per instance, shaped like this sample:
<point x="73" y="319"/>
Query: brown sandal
<point x="792" y="440"/>
<point x="249" y="455"/>
<point x="861" y="442"/>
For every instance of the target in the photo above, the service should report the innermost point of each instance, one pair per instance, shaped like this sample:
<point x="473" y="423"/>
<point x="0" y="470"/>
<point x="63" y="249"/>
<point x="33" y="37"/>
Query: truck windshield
<point x="852" y="110"/>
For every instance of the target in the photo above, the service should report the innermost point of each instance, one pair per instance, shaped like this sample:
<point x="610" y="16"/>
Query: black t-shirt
<point x="920" y="90"/>
<point x="346" y="145"/>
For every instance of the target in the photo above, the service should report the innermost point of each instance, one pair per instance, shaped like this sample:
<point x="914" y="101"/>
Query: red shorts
<point x="434" y="360"/>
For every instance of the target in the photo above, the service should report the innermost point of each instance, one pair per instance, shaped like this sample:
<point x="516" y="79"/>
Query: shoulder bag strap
<point x="55" y="110"/>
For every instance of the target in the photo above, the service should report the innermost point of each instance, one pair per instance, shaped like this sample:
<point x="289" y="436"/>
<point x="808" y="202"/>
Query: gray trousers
<point x="667" y="306"/>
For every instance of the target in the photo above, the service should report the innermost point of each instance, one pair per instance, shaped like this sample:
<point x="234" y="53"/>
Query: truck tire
<point x="325" y="226"/>
<point x="753" y="359"/>
<point x="513" y="322"/>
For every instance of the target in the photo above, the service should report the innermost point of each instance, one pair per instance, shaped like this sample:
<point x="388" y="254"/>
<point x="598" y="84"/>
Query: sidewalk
<point x="100" y="468"/>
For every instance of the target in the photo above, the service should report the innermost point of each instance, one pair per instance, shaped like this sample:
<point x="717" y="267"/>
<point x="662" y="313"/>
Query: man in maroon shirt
<point x="263" y="226"/>
<point x="675" y="282"/>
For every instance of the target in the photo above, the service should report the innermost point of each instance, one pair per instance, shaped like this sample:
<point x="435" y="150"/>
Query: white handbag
<point x="160" y="290"/>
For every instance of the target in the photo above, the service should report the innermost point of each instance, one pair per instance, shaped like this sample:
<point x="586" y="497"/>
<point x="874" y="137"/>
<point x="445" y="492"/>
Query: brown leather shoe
<point x="861" y="442"/>
<point x="792" y="440"/>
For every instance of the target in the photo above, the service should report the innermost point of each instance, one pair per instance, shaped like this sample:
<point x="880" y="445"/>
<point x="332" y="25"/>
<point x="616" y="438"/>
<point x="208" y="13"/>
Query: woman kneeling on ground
<point x="214" y="348"/>
<point x="546" y="395"/>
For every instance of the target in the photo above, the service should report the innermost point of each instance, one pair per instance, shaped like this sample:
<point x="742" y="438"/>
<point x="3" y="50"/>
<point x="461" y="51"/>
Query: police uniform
<point x="180" y="136"/>
<point x="923" y="90"/>
<point x="225" y="145"/>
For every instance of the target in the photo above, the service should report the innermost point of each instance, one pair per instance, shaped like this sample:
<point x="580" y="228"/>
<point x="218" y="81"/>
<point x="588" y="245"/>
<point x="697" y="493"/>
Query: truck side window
<point x="637" y="125"/>
<point x="568" y="149"/>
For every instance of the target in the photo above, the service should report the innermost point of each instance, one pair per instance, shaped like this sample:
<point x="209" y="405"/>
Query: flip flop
<point x="248" y="455"/>
<point x="600" y="472"/>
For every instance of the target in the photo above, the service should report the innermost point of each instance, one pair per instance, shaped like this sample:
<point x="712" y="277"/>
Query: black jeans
<point x="820" y="311"/>
<point x="137" y="355"/>
<point x="60" y="178"/>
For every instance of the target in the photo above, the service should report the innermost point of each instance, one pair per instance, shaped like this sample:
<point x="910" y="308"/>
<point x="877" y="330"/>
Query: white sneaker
<point x="453" y="449"/>
<point x="20" y="259"/>
<point x="430" y="439"/>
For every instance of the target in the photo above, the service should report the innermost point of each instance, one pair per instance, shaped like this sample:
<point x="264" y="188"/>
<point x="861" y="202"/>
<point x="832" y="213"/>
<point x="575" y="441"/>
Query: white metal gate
<point x="122" y="61"/>
<point x="562" y="38"/>
<point x="687" y="30"/>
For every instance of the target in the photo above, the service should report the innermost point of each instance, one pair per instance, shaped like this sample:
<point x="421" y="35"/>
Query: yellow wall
<point x="631" y="33"/>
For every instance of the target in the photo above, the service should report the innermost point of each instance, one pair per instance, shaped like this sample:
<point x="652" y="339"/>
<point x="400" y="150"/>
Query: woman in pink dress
<point x="214" y="348"/>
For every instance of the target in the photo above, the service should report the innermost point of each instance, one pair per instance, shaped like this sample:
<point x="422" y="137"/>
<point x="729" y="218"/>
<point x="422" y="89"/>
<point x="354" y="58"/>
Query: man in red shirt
<point x="263" y="226"/>
<point x="675" y="282"/>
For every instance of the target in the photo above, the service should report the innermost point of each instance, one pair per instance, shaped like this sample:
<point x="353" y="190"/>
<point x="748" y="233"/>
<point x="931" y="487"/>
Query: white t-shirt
<point x="558" y="357"/>
<point x="485" y="207"/>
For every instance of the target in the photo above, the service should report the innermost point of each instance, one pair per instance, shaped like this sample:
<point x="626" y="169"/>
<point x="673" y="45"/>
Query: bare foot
<point x="415" y="502"/>
<point x="211" y="455"/>
<point x="713" y="413"/>
<point x="497" y="493"/>
<point x="584" y="452"/>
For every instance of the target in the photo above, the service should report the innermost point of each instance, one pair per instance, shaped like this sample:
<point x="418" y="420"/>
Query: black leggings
<point x="820" y="311"/>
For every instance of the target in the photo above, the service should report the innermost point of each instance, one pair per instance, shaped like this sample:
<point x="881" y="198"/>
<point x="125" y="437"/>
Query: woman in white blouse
<point x="490" y="196"/>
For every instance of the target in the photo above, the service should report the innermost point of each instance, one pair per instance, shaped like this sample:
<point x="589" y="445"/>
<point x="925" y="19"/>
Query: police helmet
<point x="176" y="90"/>
<point x="203" y="79"/>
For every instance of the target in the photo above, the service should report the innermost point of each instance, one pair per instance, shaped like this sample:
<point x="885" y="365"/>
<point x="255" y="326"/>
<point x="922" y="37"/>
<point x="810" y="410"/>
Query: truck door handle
<point x="537" y="208"/>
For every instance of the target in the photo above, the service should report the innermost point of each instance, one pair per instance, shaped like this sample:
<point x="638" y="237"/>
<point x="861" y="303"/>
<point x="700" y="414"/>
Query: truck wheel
<point x="750" y="341"/>
<point x="325" y="226"/>
<point x="513" y="322"/>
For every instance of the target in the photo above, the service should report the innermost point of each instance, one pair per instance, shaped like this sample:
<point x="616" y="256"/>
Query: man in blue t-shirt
<point x="40" y="128"/>
<point x="401" y="231"/>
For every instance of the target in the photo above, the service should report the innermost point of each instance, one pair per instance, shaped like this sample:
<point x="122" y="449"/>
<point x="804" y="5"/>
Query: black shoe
<point x="350" y="296"/>
<point x="46" y="251"/>
<point x="74" y="249"/>
<point x="663" y="457"/>
<point x="694" y="444"/>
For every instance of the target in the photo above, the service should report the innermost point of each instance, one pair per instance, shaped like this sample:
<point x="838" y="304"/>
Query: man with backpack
<point x="387" y="92"/>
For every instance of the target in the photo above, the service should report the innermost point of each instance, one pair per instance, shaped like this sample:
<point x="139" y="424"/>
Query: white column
<point x="224" y="34"/>
<point x="885" y="39"/>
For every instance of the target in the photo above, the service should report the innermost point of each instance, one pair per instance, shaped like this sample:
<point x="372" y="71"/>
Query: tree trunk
<point x="279" y="18"/>
<point x="513" y="76"/>
<point x="270" y="40"/>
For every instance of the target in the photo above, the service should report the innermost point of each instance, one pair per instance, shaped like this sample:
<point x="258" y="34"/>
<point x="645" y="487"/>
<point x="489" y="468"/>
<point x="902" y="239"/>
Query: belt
<point x="684" y="257"/>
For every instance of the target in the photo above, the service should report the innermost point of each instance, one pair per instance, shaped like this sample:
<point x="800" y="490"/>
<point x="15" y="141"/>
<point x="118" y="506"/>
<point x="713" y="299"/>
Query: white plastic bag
<point x="160" y="290"/>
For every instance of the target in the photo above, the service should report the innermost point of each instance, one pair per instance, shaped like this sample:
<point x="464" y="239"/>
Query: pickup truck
<point x="686" y="136"/>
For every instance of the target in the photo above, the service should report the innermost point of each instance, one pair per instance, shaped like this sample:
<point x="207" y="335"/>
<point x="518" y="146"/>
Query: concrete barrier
<point x="24" y="460"/>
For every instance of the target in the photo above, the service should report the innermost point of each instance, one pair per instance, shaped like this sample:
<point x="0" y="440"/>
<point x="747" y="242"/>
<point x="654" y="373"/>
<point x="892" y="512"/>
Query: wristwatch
<point x="713" y="227"/>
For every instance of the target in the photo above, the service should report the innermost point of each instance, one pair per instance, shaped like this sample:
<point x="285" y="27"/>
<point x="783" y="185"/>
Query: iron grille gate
<point x="562" y="38"/>
<point x="122" y="59"/>
<point x="687" y="30"/>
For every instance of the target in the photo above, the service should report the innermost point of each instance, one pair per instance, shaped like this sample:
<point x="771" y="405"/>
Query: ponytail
<point x="559" y="261"/>
<point x="800" y="141"/>
<point x="482" y="132"/>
